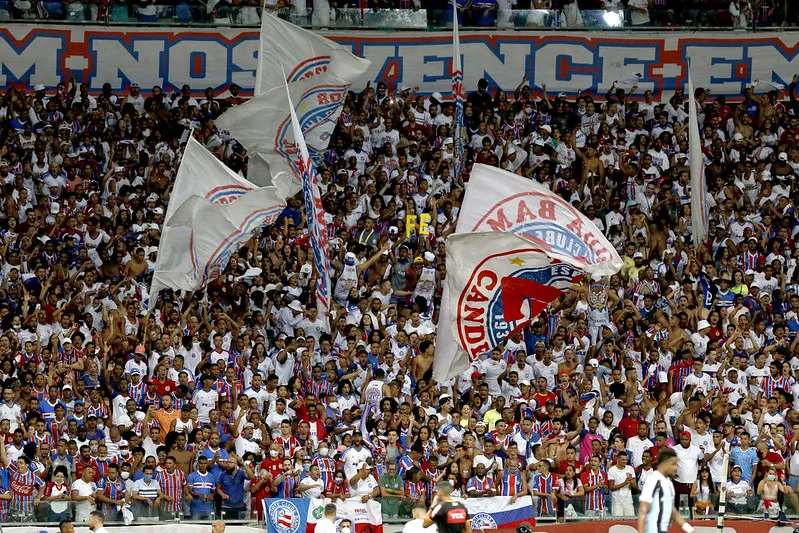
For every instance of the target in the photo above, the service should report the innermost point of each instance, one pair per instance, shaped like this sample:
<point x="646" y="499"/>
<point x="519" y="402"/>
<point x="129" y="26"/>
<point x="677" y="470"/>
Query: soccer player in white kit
<point x="656" y="509"/>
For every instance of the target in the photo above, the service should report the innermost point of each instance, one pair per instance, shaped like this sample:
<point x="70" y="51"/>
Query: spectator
<point x="230" y="487"/>
<point x="621" y="482"/>
<point x="83" y="492"/>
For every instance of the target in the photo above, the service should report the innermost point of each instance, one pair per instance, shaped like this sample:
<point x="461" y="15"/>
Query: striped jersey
<point x="24" y="489"/>
<point x="114" y="490"/>
<point x="172" y="486"/>
<point x="595" y="499"/>
<point x="511" y="484"/>
<point x="546" y="485"/>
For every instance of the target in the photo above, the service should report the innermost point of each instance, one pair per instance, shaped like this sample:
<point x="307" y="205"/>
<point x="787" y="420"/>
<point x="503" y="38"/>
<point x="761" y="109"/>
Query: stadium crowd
<point x="243" y="390"/>
<point x="374" y="13"/>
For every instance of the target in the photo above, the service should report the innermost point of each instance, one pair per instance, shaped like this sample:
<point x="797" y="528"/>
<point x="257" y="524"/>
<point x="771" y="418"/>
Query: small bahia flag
<point x="286" y="515"/>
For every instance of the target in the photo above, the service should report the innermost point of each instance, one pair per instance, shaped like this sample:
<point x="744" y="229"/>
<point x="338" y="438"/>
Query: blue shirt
<point x="233" y="486"/>
<point x="746" y="460"/>
<point x="202" y="484"/>
<point x="216" y="469"/>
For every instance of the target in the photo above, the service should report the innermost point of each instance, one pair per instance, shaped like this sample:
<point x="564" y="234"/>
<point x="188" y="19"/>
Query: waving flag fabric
<point x="482" y="266"/>
<point x="303" y="54"/>
<point x="497" y="201"/>
<point x="498" y="513"/>
<point x="189" y="254"/>
<point x="315" y="214"/>
<point x="299" y="515"/>
<point x="263" y="124"/>
<point x="699" y="196"/>
<point x="320" y="72"/>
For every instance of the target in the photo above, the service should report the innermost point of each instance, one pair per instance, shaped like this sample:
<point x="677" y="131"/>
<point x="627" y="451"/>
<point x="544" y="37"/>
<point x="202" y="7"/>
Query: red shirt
<point x="164" y="388"/>
<point x="80" y="465"/>
<point x="578" y="466"/>
<point x="542" y="399"/>
<point x="273" y="466"/>
<point x="629" y="426"/>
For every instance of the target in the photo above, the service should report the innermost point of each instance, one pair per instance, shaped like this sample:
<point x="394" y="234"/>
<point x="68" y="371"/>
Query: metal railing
<point x="221" y="14"/>
<point x="49" y="513"/>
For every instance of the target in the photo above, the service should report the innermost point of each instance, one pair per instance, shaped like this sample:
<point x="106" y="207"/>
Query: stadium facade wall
<point x="568" y="62"/>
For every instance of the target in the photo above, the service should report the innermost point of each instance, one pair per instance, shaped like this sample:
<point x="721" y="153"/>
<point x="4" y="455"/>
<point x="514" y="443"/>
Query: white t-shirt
<point x="619" y="475"/>
<point x="688" y="462"/>
<point x="637" y="447"/>
<point x="205" y="402"/>
<point x="325" y="525"/>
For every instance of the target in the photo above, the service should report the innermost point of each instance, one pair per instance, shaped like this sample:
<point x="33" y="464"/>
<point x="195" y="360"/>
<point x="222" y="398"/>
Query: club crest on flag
<point x="317" y="106"/>
<point x="284" y="516"/>
<point x="483" y="307"/>
<point x="482" y="521"/>
<point x="532" y="215"/>
<point x="313" y="66"/>
<point x="226" y="194"/>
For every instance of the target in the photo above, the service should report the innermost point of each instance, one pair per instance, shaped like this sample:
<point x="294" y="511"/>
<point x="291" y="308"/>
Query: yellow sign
<point x="424" y="223"/>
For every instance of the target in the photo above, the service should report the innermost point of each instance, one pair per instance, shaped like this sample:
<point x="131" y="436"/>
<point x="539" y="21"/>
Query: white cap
<point x="594" y="363"/>
<point x="158" y="211"/>
<point x="783" y="156"/>
<point x="638" y="255"/>
<point x="702" y="324"/>
<point x="429" y="256"/>
<point x="350" y="256"/>
<point x="737" y="137"/>
<point x="295" y="305"/>
<point x="547" y="127"/>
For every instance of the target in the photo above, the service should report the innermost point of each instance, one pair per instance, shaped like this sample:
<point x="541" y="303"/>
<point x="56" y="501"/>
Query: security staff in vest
<point x="450" y="516"/>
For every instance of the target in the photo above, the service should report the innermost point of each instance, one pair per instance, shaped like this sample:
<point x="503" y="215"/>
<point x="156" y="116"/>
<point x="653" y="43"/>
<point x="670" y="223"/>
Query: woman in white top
<point x="703" y="492"/>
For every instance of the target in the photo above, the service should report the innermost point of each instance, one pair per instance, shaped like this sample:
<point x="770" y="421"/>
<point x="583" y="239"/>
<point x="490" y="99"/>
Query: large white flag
<point x="303" y="54"/>
<point x="263" y="124"/>
<point x="497" y="200"/>
<point x="317" y="228"/>
<point x="699" y="197"/>
<point x="496" y="284"/>
<point x="188" y="255"/>
<point x="320" y="72"/>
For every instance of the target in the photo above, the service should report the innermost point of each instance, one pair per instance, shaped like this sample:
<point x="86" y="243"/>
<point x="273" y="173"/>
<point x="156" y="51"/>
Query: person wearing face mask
<point x="326" y="465"/>
<point x="111" y="491"/>
<point x="340" y="490"/>
<point x="230" y="487"/>
<point x="274" y="461"/>
<point x="769" y="490"/>
<point x="147" y="494"/>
